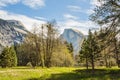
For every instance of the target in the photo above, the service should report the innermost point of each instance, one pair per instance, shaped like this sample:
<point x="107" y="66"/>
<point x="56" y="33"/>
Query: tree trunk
<point x="42" y="60"/>
<point x="106" y="62"/>
<point x="105" y="58"/>
<point x="92" y="62"/>
<point x="118" y="63"/>
<point x="116" y="52"/>
<point x="117" y="60"/>
<point x="86" y="63"/>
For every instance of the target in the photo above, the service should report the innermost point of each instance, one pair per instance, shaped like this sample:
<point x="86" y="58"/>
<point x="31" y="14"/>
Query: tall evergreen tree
<point x="70" y="48"/>
<point x="108" y="14"/>
<point x="84" y="53"/>
<point x="90" y="49"/>
<point x="8" y="57"/>
<point x="5" y="58"/>
<point x="13" y="59"/>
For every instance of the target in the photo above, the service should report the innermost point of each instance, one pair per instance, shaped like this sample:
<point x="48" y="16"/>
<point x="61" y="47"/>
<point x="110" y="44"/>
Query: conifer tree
<point x="84" y="53"/>
<point x="8" y="57"/>
<point x="13" y="59"/>
<point x="90" y="49"/>
<point x="70" y="48"/>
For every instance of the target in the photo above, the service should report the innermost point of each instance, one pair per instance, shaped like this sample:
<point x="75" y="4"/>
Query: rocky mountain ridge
<point x="11" y="32"/>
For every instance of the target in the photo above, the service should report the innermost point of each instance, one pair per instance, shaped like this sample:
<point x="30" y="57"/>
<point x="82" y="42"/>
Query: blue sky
<point x="67" y="13"/>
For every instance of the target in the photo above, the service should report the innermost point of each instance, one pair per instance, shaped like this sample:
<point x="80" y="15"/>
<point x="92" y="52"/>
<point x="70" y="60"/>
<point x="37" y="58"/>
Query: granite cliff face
<point x="11" y="32"/>
<point x="75" y="37"/>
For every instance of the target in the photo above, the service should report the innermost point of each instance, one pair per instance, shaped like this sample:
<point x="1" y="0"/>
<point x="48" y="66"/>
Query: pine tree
<point x="8" y="57"/>
<point x="13" y="59"/>
<point x="108" y="14"/>
<point x="94" y="48"/>
<point x="5" y="58"/>
<point x="84" y="53"/>
<point x="90" y="49"/>
<point x="70" y="48"/>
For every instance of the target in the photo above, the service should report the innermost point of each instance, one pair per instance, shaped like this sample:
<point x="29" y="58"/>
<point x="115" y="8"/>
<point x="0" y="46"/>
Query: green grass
<point x="24" y="73"/>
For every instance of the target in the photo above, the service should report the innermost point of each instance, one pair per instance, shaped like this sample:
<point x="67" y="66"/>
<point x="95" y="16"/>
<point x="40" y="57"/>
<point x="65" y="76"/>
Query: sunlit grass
<point x="19" y="73"/>
<point x="58" y="73"/>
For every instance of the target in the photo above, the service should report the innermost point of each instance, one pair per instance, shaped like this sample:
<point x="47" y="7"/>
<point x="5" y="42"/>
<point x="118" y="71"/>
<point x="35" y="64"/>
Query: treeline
<point x="102" y="48"/>
<point x="98" y="50"/>
<point x="42" y="47"/>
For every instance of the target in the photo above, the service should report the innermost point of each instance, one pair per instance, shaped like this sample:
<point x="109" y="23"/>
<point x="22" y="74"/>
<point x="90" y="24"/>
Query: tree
<point x="5" y="58"/>
<point x="13" y="59"/>
<point x="108" y="15"/>
<point x="50" y="43"/>
<point x="116" y="50"/>
<point x="28" y="51"/>
<point x="84" y="53"/>
<point x="8" y="57"/>
<point x="90" y="49"/>
<point x="39" y="46"/>
<point x="61" y="57"/>
<point x="119" y="53"/>
<point x="70" y="48"/>
<point x="108" y="12"/>
<point x="94" y="48"/>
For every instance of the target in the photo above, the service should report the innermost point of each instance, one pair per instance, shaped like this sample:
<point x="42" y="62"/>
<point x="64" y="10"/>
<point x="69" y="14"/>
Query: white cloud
<point x="96" y="2"/>
<point x="2" y="12"/>
<point x="34" y="3"/>
<point x="90" y="11"/>
<point x="81" y="10"/>
<point x="83" y="26"/>
<point x="69" y="16"/>
<point x="4" y="3"/>
<point x="27" y="21"/>
<point x="40" y="18"/>
<point x="74" y="8"/>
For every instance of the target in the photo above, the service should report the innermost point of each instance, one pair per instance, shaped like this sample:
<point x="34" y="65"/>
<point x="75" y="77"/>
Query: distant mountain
<point x="11" y="32"/>
<point x="75" y="37"/>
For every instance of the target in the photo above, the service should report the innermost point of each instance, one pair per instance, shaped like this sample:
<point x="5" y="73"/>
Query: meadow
<point x="57" y="73"/>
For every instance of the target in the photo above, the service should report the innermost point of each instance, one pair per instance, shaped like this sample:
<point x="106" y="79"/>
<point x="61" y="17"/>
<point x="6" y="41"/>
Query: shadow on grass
<point x="23" y="68"/>
<point x="99" y="74"/>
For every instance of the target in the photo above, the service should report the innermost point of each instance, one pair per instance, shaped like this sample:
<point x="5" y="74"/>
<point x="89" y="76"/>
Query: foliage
<point x="70" y="48"/>
<point x="62" y="57"/>
<point x="8" y="57"/>
<point x="107" y="15"/>
<point x="26" y="52"/>
<point x="41" y="46"/>
<point x="90" y="49"/>
<point x="108" y="12"/>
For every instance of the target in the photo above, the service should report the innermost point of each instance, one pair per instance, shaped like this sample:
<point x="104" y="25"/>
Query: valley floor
<point x="63" y="73"/>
